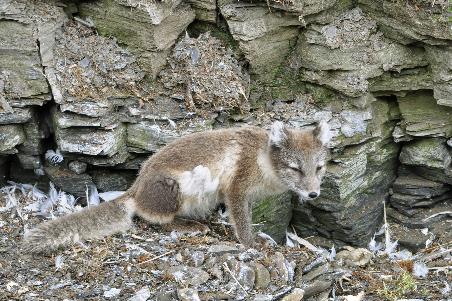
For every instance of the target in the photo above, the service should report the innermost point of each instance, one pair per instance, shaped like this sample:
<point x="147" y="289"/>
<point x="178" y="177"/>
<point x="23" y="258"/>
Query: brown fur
<point x="190" y="176"/>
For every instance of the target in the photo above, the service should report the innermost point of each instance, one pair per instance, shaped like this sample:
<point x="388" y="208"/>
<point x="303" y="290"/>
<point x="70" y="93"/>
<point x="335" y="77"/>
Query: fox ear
<point x="322" y="132"/>
<point x="278" y="134"/>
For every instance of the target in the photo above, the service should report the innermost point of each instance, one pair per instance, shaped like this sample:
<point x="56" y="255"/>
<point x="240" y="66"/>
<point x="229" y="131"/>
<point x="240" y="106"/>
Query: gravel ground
<point x="155" y="263"/>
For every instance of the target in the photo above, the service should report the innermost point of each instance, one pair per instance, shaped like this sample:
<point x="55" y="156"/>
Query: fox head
<point x="299" y="157"/>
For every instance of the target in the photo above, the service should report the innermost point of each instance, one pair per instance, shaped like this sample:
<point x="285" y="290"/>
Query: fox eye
<point x="296" y="169"/>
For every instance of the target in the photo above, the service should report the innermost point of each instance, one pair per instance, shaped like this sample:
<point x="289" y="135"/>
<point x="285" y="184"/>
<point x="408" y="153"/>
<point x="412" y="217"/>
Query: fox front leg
<point x="241" y="219"/>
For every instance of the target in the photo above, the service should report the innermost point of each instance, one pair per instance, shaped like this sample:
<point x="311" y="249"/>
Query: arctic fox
<point x="192" y="175"/>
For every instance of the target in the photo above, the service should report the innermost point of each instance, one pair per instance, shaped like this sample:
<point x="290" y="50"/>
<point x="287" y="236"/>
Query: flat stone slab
<point x="422" y="116"/>
<point x="10" y="137"/>
<point x="91" y="141"/>
<point x="68" y="180"/>
<point x="16" y="115"/>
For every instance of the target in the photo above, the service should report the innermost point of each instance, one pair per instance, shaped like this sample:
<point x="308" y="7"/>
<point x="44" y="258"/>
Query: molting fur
<point x="192" y="175"/>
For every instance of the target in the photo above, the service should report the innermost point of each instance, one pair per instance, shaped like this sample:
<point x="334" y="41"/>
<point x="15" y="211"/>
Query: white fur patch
<point x="324" y="134"/>
<point x="199" y="190"/>
<point x="277" y="134"/>
<point x="198" y="182"/>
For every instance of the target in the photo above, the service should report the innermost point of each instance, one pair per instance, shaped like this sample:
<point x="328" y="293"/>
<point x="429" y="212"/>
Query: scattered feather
<point x="223" y="214"/>
<point x="391" y="247"/>
<point x="110" y="195"/>
<point x="142" y="295"/>
<point x="381" y="230"/>
<point x="172" y="123"/>
<point x="332" y="254"/>
<point x="59" y="261"/>
<point x="401" y="255"/>
<point x="374" y="246"/>
<point x="289" y="242"/>
<point x="358" y="297"/>
<point x="420" y="269"/>
<point x="111" y="293"/>
<point x="290" y="267"/>
<point x="178" y="276"/>
<point x="304" y="242"/>
<point x="54" y="157"/>
<point x="438" y="214"/>
<point x="39" y="171"/>
<point x="92" y="195"/>
<point x="53" y="204"/>
<point x="267" y="238"/>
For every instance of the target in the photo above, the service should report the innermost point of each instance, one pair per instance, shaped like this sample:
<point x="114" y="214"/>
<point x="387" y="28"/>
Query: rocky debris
<point x="354" y="257"/>
<point x="123" y="79"/>
<point x="22" y="81"/>
<point x="296" y="295"/>
<point x="188" y="294"/>
<point x="149" y="263"/>
<point x="148" y="28"/>
<point x="430" y="157"/>
<point x="91" y="141"/>
<point x="77" y="167"/>
<point x="149" y="136"/>
<point x="206" y="75"/>
<point x="107" y="180"/>
<point x="90" y="67"/>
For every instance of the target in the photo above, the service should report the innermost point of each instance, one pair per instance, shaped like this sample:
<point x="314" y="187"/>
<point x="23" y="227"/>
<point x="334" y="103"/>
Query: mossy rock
<point x="273" y="214"/>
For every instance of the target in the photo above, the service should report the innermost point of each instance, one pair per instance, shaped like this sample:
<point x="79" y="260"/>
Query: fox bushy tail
<point x="90" y="223"/>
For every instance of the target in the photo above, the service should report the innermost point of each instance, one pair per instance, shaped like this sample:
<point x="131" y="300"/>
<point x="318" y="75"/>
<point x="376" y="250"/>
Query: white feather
<point x="332" y="254"/>
<point x="92" y="195"/>
<point x="54" y="157"/>
<point x="420" y="270"/>
<point x="289" y="242"/>
<point x="373" y="246"/>
<point x="110" y="195"/>
<point x="267" y="238"/>
<point x="59" y="261"/>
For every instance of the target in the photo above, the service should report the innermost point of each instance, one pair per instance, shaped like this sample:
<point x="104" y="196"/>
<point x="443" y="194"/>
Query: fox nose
<point x="313" y="195"/>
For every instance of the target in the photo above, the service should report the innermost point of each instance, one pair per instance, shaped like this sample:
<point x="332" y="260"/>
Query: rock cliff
<point x="106" y="83"/>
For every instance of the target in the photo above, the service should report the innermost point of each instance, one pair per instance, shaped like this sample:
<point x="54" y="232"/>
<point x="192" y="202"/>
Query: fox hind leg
<point x="157" y="198"/>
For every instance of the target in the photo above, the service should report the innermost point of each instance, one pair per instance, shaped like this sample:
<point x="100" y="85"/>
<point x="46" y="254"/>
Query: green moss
<point x="273" y="215"/>
<point x="402" y="287"/>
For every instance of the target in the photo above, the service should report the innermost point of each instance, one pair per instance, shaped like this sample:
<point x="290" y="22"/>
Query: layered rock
<point x="23" y="85"/>
<point x="356" y="183"/>
<point x="123" y="78"/>
<point x="346" y="53"/>
<point x="148" y="29"/>
<point x="264" y="38"/>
